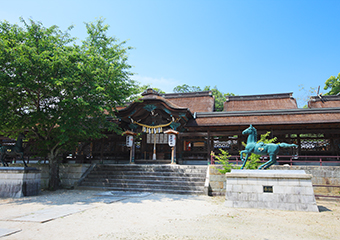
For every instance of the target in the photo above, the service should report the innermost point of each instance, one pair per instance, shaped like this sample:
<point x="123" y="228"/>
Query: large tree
<point x="57" y="91"/>
<point x="333" y="83"/>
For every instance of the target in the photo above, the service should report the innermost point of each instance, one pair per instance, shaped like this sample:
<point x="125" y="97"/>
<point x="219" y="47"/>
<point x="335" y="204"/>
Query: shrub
<point x="223" y="159"/>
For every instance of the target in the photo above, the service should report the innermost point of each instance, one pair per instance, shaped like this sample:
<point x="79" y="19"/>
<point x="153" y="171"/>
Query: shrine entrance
<point x="148" y="119"/>
<point x="145" y="146"/>
<point x="157" y="144"/>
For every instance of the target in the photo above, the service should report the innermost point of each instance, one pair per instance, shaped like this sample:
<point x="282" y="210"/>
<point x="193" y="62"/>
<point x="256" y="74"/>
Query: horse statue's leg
<point x="246" y="158"/>
<point x="267" y="164"/>
<point x="263" y="165"/>
<point x="272" y="161"/>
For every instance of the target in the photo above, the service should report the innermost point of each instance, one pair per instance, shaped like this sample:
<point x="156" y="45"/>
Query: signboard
<point x="129" y="141"/>
<point x="172" y="140"/>
<point x="268" y="189"/>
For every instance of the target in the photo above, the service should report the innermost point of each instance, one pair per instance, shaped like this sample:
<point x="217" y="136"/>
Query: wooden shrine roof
<point x="268" y="109"/>
<point x="324" y="101"/>
<point x="194" y="101"/>
<point x="260" y="102"/>
<point x="154" y="110"/>
<point x="267" y="117"/>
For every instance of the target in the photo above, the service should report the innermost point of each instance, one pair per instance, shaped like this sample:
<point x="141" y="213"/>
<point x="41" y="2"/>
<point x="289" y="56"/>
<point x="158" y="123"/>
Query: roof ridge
<point x="259" y="96"/>
<point x="188" y="94"/>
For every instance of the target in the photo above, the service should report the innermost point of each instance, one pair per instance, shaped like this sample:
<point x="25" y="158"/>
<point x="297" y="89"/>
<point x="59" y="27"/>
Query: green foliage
<point x="220" y="97"/>
<point x="185" y="88"/>
<point x="223" y="159"/>
<point x="254" y="159"/>
<point x="58" y="91"/>
<point x="333" y="83"/>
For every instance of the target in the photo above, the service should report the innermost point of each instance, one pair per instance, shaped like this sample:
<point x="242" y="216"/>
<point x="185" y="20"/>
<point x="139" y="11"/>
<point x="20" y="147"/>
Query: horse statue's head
<point x="249" y="130"/>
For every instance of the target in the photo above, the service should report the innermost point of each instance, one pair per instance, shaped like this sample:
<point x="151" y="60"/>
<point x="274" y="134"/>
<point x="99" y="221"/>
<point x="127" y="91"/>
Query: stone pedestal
<point x="18" y="182"/>
<point x="273" y="189"/>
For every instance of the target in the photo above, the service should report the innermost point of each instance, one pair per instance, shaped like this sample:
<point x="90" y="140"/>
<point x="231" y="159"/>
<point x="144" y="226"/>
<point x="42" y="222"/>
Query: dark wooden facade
<point x="316" y="130"/>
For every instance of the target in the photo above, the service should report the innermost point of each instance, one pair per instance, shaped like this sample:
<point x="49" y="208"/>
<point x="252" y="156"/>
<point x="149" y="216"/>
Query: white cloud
<point x="167" y="85"/>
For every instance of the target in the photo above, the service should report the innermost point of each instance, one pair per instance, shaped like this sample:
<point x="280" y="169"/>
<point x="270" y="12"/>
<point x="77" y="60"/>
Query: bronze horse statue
<point x="13" y="151"/>
<point x="261" y="148"/>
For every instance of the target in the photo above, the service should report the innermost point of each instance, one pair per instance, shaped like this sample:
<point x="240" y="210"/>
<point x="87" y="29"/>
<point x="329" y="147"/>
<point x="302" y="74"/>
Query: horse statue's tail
<point x="286" y="145"/>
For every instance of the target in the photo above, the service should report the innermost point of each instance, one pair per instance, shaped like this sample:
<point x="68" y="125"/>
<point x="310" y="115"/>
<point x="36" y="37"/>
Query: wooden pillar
<point x="208" y="147"/>
<point x="154" y="154"/>
<point x="132" y="153"/>
<point x="144" y="146"/>
<point x="299" y="144"/>
<point x="180" y="147"/>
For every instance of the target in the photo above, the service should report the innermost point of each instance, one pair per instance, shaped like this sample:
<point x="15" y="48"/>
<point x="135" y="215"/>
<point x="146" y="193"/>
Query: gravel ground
<point x="163" y="216"/>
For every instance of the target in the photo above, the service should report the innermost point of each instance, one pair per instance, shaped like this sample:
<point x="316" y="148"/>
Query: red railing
<point x="289" y="159"/>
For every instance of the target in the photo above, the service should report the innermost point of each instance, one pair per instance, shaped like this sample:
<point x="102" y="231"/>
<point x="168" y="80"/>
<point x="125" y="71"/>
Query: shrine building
<point x="201" y="130"/>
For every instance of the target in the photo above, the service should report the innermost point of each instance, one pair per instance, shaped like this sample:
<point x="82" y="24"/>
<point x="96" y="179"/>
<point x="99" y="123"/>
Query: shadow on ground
<point x="324" y="209"/>
<point x="63" y="196"/>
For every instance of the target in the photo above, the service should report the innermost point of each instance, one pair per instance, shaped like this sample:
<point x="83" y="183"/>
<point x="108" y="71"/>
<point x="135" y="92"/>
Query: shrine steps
<point x="174" y="179"/>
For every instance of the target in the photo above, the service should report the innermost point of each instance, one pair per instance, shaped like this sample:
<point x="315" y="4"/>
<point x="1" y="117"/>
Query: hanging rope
<point x="152" y="129"/>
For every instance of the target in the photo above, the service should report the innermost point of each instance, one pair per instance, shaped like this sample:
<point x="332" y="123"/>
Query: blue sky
<point x="242" y="47"/>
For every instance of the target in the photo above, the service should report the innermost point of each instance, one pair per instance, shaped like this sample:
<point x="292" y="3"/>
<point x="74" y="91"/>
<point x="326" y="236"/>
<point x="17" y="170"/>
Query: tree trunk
<point x="54" y="180"/>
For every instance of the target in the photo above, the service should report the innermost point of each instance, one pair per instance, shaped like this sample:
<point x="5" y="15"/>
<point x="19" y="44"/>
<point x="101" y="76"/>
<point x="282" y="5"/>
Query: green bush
<point x="223" y="159"/>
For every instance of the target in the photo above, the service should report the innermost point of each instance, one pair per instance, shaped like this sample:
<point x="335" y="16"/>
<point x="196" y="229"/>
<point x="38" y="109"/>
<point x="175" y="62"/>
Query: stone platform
<point x="273" y="189"/>
<point x="18" y="182"/>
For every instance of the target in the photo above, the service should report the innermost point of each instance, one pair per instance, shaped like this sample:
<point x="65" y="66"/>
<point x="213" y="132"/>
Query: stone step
<point x="146" y="177"/>
<point x="145" y="186"/>
<point x="154" y="178"/>
<point x="151" y="169"/>
<point x="152" y="166"/>
<point x="168" y="191"/>
<point x="151" y="182"/>
<point x="141" y="173"/>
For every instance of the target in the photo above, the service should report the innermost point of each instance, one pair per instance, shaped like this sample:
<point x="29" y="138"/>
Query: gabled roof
<point x="332" y="101"/>
<point x="195" y="101"/>
<point x="151" y="95"/>
<point x="260" y="102"/>
<point x="154" y="110"/>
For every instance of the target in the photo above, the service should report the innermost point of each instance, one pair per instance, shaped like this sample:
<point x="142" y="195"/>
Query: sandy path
<point x="161" y="216"/>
